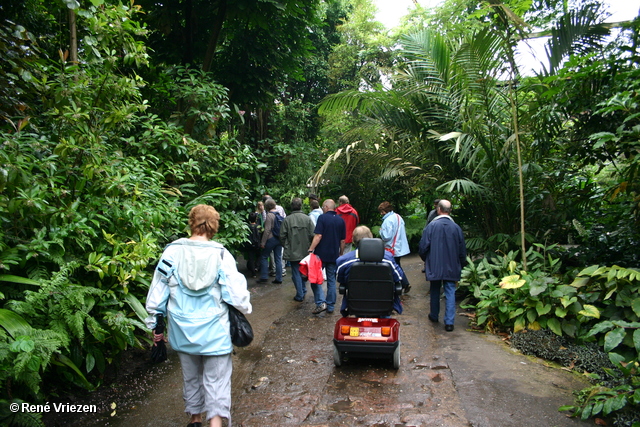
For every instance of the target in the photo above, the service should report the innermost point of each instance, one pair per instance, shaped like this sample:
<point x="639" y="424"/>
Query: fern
<point x="23" y="358"/>
<point x="19" y="418"/>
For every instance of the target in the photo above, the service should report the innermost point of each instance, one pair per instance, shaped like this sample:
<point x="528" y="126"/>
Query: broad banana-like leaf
<point x="136" y="306"/>
<point x="18" y="279"/>
<point x="13" y="323"/>
<point x="62" y="360"/>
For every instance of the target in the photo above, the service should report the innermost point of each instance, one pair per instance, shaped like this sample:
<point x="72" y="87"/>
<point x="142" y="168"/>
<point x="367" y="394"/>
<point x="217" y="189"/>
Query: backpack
<point x="277" y="222"/>
<point x="254" y="236"/>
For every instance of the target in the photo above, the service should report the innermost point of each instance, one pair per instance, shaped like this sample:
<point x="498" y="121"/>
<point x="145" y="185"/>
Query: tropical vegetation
<point x="117" y="116"/>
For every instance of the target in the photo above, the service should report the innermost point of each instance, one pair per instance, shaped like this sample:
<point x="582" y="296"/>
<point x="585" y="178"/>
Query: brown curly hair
<point x="204" y="220"/>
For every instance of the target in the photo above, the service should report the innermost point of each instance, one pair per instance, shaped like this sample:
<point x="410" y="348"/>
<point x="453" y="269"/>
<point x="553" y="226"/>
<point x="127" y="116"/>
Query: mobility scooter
<point x="368" y="331"/>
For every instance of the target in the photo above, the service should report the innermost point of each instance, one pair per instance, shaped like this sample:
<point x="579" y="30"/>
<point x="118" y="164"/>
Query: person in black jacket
<point x="443" y="249"/>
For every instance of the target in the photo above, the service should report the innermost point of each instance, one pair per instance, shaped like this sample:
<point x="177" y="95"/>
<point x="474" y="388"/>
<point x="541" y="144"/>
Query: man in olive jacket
<point x="443" y="249"/>
<point x="296" y="234"/>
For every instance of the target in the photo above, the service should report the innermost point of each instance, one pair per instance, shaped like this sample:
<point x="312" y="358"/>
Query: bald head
<point x="444" y="207"/>
<point x="329" y="205"/>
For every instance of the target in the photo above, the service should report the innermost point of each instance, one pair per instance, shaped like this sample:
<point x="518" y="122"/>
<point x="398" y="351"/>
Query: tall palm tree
<point x="452" y="116"/>
<point x="447" y="108"/>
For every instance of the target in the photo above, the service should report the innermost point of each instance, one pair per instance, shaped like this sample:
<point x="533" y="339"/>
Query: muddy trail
<point x="287" y="375"/>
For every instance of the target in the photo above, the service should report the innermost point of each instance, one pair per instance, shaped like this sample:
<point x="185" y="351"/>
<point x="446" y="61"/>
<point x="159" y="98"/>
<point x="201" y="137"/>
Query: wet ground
<point x="287" y="375"/>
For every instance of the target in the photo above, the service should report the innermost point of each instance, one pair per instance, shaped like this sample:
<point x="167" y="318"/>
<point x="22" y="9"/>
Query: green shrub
<point x="599" y="311"/>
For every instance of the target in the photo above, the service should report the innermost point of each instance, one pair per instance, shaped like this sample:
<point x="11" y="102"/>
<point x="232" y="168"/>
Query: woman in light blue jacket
<point x="193" y="283"/>
<point x="394" y="236"/>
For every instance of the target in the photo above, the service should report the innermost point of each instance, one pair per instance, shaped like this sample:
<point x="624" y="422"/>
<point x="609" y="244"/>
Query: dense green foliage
<point x="94" y="184"/>
<point x="102" y="158"/>
<point x="599" y="307"/>
<point x="117" y="117"/>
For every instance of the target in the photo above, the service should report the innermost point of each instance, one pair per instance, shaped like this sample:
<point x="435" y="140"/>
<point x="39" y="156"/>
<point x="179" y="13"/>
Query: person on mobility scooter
<point x="370" y="284"/>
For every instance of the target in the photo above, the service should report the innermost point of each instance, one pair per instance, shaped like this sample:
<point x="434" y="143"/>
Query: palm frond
<point x="464" y="186"/>
<point x="578" y="31"/>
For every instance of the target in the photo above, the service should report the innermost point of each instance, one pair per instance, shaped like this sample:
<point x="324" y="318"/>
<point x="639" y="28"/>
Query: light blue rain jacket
<point x="191" y="283"/>
<point x="392" y="225"/>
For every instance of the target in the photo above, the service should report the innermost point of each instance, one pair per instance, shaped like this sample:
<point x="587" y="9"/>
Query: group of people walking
<point x="197" y="279"/>
<point x="316" y="242"/>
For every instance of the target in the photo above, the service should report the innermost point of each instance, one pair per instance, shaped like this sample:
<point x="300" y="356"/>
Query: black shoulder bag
<point x="241" y="330"/>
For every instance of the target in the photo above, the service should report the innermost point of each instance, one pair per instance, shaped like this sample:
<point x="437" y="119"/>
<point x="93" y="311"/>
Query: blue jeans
<point x="273" y="245"/>
<point x="301" y="286"/>
<point x="318" y="292"/>
<point x="450" y="296"/>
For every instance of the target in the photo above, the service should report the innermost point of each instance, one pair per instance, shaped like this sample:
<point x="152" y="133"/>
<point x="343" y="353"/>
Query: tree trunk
<point x="215" y="35"/>
<point x="211" y="50"/>
<point x="73" y="37"/>
<point x="189" y="28"/>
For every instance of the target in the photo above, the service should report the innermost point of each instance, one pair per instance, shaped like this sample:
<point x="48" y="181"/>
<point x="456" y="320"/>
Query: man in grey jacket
<point x="296" y="235"/>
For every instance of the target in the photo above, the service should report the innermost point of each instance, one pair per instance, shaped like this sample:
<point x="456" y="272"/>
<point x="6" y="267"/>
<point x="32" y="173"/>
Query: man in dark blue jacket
<point x="443" y="249"/>
<point x="328" y="244"/>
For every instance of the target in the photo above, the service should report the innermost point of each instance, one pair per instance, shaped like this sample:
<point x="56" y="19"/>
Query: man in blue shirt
<point x="328" y="244"/>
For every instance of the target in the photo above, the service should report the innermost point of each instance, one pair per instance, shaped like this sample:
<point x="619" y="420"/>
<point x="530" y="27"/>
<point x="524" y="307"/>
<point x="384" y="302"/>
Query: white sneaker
<point x="319" y="308"/>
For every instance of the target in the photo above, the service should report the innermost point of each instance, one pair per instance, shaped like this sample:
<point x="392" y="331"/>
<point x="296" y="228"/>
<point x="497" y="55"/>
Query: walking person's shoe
<point x="433" y="319"/>
<point x="276" y="282"/>
<point x="320" y="308"/>
<point x="262" y="280"/>
<point x="407" y="289"/>
<point x="448" y="328"/>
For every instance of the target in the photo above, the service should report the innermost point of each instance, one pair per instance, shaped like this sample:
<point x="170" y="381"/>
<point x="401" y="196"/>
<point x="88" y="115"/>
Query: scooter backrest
<point x="370" y="289"/>
<point x="371" y="250"/>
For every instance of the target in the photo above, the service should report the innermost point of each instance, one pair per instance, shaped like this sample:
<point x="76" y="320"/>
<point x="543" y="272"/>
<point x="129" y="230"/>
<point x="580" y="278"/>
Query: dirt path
<point x="287" y="376"/>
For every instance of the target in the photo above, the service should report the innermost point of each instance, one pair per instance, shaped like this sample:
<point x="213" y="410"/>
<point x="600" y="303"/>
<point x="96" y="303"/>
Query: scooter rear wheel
<point x="337" y="356"/>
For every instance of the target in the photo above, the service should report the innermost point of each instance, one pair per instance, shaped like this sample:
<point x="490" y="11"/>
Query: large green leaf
<point x="13" y="323"/>
<point x="578" y="282"/>
<point x="614" y="403"/>
<point x="537" y="287"/>
<point x="635" y="305"/>
<point x="589" y="270"/>
<point x="542" y="308"/>
<point x="136" y="306"/>
<point x="600" y="327"/>
<point x="519" y="324"/>
<point x="561" y="312"/>
<point x="590" y="311"/>
<point x="554" y="325"/>
<point x="18" y="279"/>
<point x="62" y="360"/>
<point x="613" y="338"/>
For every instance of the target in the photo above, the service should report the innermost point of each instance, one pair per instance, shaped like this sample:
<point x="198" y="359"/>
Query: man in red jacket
<point x="351" y="220"/>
